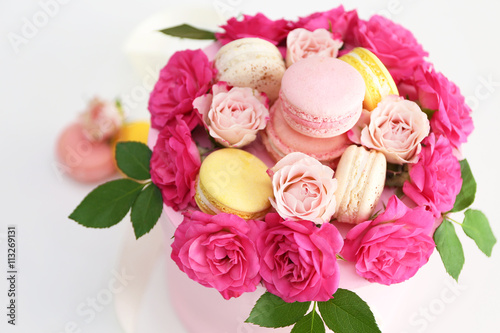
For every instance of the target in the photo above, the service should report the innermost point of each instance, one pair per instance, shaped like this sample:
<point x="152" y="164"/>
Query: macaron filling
<point x="322" y="97"/>
<point x="316" y="126"/>
<point x="280" y="139"/>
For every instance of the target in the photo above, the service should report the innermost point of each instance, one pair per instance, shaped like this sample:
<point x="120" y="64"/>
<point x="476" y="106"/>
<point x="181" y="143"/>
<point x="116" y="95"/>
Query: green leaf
<point x="477" y="227"/>
<point x="346" y="312"/>
<point x="107" y="204"/>
<point x="449" y="248"/>
<point x="428" y="112"/>
<point x="133" y="159"/>
<point x="311" y="323"/>
<point x="468" y="191"/>
<point x="146" y="210"/>
<point x="188" y="31"/>
<point x="272" y="311"/>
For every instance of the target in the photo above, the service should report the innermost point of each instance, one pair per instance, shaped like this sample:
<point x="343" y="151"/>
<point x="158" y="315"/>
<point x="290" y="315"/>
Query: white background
<point x="79" y="52"/>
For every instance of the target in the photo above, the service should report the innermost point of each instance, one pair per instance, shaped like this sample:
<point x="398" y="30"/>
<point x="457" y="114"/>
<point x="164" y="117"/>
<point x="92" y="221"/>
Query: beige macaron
<point x="251" y="62"/>
<point x="360" y="181"/>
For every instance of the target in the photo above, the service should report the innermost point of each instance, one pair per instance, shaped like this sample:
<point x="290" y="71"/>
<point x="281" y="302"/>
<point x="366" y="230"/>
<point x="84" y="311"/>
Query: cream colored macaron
<point x="236" y="182"/>
<point x="360" y="181"/>
<point x="251" y="62"/>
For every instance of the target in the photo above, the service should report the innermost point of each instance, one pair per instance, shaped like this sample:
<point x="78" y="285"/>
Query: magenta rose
<point x="175" y="163"/>
<point x="391" y="248"/>
<point x="435" y="92"/>
<point x="436" y="179"/>
<point x="218" y="252"/>
<point x="298" y="260"/>
<point x="187" y="75"/>
<point x="254" y="26"/>
<point x="394" y="45"/>
<point x="336" y="20"/>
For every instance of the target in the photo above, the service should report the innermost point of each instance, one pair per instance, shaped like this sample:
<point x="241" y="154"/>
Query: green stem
<point x="446" y="217"/>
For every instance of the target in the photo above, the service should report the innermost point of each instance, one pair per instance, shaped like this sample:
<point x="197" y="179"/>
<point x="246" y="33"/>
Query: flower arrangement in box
<point x="280" y="135"/>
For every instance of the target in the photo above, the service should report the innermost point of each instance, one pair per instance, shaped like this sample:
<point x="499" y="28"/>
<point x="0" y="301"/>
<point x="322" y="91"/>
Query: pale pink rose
<point x="391" y="248"/>
<point x="101" y="120"/>
<point x="396" y="128"/>
<point x="304" y="189"/>
<point x="436" y="179"/>
<point x="233" y="116"/>
<point x="218" y="251"/>
<point x="302" y="43"/>
<point x="336" y="20"/>
<point x="298" y="260"/>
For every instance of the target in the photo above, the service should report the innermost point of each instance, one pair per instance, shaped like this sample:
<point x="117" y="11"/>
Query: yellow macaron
<point x="131" y="131"/>
<point x="378" y="80"/>
<point x="236" y="182"/>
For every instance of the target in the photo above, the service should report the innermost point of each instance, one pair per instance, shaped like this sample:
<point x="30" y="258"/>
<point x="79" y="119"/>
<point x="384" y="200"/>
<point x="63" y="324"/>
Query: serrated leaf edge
<point x="440" y="255"/>
<point x="132" y="214"/>
<point x="124" y="195"/>
<point x="283" y="304"/>
<point x="369" y="325"/>
<point x="139" y="162"/>
<point x="464" y="228"/>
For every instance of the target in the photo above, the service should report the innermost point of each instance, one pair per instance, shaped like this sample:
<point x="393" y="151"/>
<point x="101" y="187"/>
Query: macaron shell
<point x="322" y="97"/>
<point x="251" y="62"/>
<point x="234" y="181"/>
<point x="378" y="80"/>
<point x="280" y="139"/>
<point x="83" y="160"/>
<point x="133" y="131"/>
<point x="360" y="178"/>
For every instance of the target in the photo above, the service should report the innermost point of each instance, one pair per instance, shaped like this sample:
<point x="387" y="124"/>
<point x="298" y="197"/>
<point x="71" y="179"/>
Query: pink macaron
<point x="280" y="139"/>
<point x="322" y="97"/>
<point x="82" y="159"/>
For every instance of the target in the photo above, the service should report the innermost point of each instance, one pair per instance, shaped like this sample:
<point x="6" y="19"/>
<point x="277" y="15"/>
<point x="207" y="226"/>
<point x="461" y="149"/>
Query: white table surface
<point x="78" y="52"/>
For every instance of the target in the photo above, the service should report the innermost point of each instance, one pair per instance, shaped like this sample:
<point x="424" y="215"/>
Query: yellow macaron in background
<point x="131" y="131"/>
<point x="378" y="80"/>
<point x="236" y="182"/>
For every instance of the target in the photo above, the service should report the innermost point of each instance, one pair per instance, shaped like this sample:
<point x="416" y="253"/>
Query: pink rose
<point x="336" y="20"/>
<point x="394" y="45"/>
<point x="304" y="189"/>
<point x="218" y="252"/>
<point x="175" y="163"/>
<point x="254" y="26"/>
<point x="302" y="43"/>
<point x="436" y="179"/>
<point x="233" y="116"/>
<point x="298" y="260"/>
<point x="101" y="120"/>
<point x="396" y="128"/>
<point x="435" y="92"/>
<point x="391" y="248"/>
<point x="187" y="75"/>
